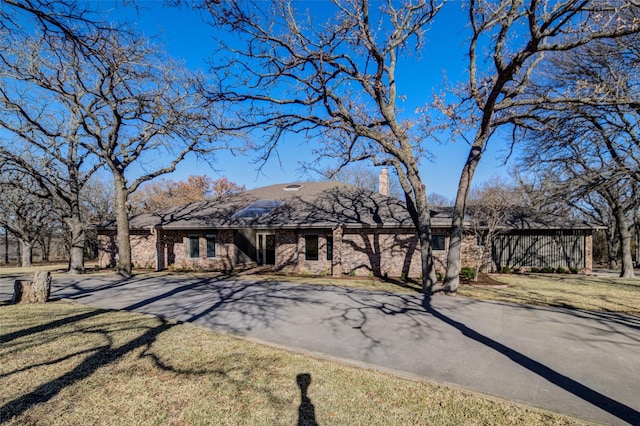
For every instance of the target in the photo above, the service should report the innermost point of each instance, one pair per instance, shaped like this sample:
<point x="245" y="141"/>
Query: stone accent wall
<point x="143" y="250"/>
<point x="470" y="253"/>
<point x="394" y="253"/>
<point x="291" y="256"/>
<point x="176" y="249"/>
<point x="588" y="249"/>
<point x="380" y="252"/>
<point x="107" y="249"/>
<point x="286" y="250"/>
<point x="336" y="267"/>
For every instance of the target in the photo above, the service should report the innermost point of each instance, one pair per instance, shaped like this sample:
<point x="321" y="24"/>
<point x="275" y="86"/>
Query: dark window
<point x="211" y="246"/>
<point x="437" y="242"/>
<point x="311" y="247"/>
<point x="194" y="246"/>
<point x="329" y="247"/>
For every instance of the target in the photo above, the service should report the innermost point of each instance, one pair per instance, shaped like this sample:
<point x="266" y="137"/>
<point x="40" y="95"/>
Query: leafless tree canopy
<point x="25" y="213"/>
<point x="43" y="138"/>
<point x="332" y="79"/>
<point x="511" y="41"/>
<point x="490" y="205"/>
<point x="592" y="147"/>
<point x="80" y="96"/>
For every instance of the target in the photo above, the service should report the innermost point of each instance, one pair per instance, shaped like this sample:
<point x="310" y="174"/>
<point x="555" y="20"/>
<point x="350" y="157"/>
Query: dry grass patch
<point x="64" y="364"/>
<point x="568" y="291"/>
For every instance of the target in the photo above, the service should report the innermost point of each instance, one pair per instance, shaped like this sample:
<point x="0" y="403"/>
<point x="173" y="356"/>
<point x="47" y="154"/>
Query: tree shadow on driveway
<point x="589" y="395"/>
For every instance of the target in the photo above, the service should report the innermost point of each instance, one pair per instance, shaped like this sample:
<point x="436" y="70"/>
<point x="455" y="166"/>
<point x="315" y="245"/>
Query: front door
<point x="266" y="245"/>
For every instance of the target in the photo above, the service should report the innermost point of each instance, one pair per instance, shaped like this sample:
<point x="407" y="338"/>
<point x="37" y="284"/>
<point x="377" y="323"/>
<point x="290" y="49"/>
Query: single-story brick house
<point x="328" y="228"/>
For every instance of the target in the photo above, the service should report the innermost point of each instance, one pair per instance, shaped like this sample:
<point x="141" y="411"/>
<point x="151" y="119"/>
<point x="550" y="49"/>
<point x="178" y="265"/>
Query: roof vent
<point x="293" y="187"/>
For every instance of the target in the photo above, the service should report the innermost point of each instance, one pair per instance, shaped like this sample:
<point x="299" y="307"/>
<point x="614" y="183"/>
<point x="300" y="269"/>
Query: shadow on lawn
<point x="188" y="302"/>
<point x="250" y="303"/>
<point x="101" y="356"/>
<point x="306" y="410"/>
<point x="592" y="396"/>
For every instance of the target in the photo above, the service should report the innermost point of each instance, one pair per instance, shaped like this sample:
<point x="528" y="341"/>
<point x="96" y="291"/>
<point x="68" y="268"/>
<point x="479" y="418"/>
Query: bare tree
<point x="596" y="143"/>
<point x="333" y="80"/>
<point x="581" y="166"/>
<point x="438" y="200"/>
<point x="145" y="108"/>
<point x="46" y="140"/>
<point x="519" y="36"/>
<point x="23" y="213"/>
<point x="65" y="19"/>
<point x="119" y="103"/>
<point x="490" y="205"/>
<point x="636" y="231"/>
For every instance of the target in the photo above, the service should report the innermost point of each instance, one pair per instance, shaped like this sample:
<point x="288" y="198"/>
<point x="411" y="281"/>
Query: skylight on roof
<point x="257" y="209"/>
<point x="293" y="187"/>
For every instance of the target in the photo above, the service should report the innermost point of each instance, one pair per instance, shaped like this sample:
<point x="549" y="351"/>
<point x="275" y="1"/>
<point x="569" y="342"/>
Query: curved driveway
<point x="578" y="363"/>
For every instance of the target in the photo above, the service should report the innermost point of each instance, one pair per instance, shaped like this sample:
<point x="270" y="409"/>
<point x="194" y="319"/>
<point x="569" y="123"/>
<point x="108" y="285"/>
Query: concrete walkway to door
<point x="578" y="363"/>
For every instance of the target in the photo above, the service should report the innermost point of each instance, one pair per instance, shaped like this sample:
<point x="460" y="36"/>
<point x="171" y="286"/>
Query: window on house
<point x="437" y="242"/>
<point x="329" y="247"/>
<point x="311" y="247"/>
<point x="211" y="246"/>
<point x="194" y="246"/>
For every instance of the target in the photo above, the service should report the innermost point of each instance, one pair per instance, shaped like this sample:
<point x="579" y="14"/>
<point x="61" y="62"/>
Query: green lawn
<point x="66" y="364"/>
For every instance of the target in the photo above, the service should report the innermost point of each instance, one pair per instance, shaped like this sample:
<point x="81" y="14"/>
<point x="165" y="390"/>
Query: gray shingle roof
<point x="311" y="204"/>
<point x="316" y="205"/>
<point x="533" y="220"/>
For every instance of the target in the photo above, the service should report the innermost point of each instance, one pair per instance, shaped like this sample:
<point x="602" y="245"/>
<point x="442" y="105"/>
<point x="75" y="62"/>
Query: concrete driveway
<point x="578" y="363"/>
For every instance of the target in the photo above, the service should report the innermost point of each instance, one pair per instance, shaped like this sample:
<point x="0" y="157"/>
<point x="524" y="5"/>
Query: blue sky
<point x="185" y="36"/>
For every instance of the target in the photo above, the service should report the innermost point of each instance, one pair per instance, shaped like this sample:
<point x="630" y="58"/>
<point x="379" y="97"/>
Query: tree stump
<point x="36" y="291"/>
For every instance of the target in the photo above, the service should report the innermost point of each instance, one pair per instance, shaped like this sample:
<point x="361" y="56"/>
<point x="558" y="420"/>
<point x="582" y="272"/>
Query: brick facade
<point x="588" y="266"/>
<point x="286" y="250"/>
<point x="359" y="252"/>
<point x="392" y="252"/>
<point x="161" y="250"/>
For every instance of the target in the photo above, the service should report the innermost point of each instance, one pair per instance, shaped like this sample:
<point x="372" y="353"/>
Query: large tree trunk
<point x="124" y="265"/>
<point x="6" y="247"/>
<point x="26" y="253"/>
<point x="624" y="232"/>
<point x="613" y="245"/>
<point x="429" y="277"/>
<point x="416" y="197"/>
<point x="638" y="244"/>
<point x="452" y="277"/>
<point x="76" y="251"/>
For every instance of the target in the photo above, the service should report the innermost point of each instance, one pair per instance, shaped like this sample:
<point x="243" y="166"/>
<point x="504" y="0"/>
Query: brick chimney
<point x="383" y="182"/>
